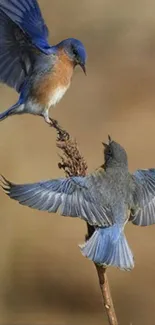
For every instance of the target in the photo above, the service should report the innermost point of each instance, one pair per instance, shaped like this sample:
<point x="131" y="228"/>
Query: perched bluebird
<point x="40" y="73"/>
<point x="107" y="199"/>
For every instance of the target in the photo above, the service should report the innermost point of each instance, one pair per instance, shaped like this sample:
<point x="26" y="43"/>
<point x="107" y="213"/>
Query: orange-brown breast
<point x="60" y="76"/>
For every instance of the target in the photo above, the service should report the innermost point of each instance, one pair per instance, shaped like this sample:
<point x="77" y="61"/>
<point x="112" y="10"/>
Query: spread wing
<point x="144" y="212"/>
<point x="27" y="15"/>
<point x="16" y="54"/>
<point x="22" y="31"/>
<point x="71" y="196"/>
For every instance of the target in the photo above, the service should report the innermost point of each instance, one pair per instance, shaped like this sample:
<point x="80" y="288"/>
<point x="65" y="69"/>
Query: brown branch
<point x="104" y="286"/>
<point x="74" y="164"/>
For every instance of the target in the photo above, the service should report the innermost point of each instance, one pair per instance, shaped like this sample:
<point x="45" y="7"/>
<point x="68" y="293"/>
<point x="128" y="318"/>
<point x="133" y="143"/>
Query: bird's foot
<point x="62" y="134"/>
<point x="53" y="123"/>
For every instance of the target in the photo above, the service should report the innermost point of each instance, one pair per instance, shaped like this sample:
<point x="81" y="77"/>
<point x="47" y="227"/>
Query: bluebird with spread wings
<point x="107" y="199"/>
<point x="40" y="73"/>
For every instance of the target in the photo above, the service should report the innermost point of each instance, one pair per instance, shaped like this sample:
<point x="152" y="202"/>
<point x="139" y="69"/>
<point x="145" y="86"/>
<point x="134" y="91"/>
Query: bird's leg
<point x="50" y="121"/>
<point x="47" y="119"/>
<point x="62" y="134"/>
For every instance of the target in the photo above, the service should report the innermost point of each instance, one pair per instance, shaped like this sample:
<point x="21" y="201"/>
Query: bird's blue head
<point x="76" y="51"/>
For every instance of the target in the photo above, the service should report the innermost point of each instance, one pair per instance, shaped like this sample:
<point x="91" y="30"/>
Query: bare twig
<point x="74" y="164"/>
<point x="104" y="286"/>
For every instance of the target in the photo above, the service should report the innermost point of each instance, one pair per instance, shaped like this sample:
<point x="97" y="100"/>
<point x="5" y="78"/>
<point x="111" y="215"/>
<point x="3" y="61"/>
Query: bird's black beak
<point x="105" y="145"/>
<point x="83" y="68"/>
<point x="109" y="138"/>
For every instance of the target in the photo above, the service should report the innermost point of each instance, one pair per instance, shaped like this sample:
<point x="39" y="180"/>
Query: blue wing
<point x="143" y="213"/>
<point x="27" y="15"/>
<point x="17" y="55"/>
<point x="70" y="196"/>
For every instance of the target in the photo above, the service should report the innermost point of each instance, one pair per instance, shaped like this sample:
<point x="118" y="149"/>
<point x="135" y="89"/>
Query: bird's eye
<point x="109" y="151"/>
<point x="75" y="51"/>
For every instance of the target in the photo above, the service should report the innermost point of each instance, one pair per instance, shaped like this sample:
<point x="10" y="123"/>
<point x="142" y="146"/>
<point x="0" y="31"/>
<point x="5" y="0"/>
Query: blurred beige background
<point x="44" y="280"/>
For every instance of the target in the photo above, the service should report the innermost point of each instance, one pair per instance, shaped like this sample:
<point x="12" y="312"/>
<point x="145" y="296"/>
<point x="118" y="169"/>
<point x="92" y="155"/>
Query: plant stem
<point x="74" y="164"/>
<point x="104" y="286"/>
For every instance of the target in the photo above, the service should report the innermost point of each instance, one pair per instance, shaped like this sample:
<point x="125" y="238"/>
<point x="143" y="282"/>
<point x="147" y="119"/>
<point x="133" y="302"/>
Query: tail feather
<point x="108" y="246"/>
<point x="16" y="109"/>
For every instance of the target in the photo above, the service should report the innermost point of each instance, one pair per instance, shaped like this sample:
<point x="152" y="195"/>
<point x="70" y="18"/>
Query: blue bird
<point x="40" y="73"/>
<point x="107" y="199"/>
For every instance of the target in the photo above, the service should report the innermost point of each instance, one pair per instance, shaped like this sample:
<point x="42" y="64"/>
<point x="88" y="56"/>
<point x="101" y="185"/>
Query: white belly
<point x="57" y="95"/>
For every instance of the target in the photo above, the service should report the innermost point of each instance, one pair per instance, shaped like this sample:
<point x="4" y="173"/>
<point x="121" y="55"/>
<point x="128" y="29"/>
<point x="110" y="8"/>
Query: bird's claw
<point x="54" y="123"/>
<point x="62" y="134"/>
